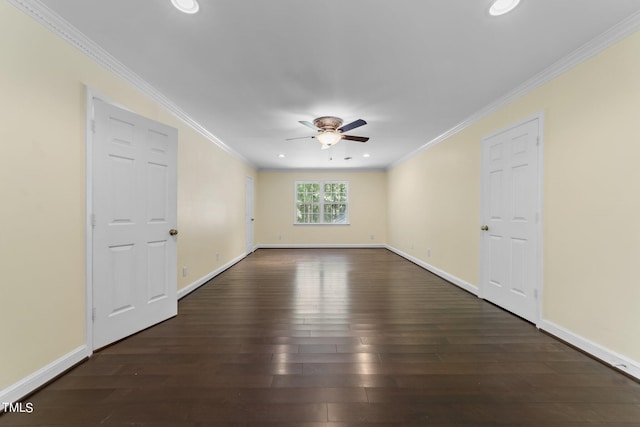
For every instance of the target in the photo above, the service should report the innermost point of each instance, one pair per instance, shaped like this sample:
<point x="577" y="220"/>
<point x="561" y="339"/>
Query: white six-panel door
<point x="249" y="215"/>
<point x="134" y="210"/>
<point x="510" y="219"/>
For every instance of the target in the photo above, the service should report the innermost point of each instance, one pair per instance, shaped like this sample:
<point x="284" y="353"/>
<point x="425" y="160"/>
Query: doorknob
<point x="173" y="231"/>
<point x="253" y="219"/>
<point x="484" y="228"/>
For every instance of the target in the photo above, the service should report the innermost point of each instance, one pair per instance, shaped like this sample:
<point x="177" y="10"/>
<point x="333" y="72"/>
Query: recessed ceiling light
<point x="367" y="155"/>
<point x="282" y="156"/>
<point x="500" y="7"/>
<point x="186" y="6"/>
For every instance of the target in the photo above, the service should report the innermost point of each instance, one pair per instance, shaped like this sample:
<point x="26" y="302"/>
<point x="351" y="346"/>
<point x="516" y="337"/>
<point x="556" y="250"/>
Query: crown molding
<point x="322" y="170"/>
<point x="590" y="49"/>
<point x="56" y="24"/>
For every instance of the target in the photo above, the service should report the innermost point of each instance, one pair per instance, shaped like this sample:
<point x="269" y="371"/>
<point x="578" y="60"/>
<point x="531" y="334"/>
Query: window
<point x="322" y="202"/>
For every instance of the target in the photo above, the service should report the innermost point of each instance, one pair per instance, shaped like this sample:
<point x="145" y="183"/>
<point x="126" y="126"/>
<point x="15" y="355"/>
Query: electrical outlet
<point x="279" y="236"/>
<point x="184" y="271"/>
<point x="428" y="252"/>
<point x="372" y="237"/>
<point x="217" y="257"/>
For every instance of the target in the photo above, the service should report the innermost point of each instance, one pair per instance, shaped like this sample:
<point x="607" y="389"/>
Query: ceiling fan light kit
<point x="329" y="137"/>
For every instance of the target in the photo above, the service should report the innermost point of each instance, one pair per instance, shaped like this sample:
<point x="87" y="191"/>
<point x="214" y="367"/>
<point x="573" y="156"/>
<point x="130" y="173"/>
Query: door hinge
<point x="93" y="126"/>
<point x="535" y="293"/>
<point x="93" y="314"/>
<point x="538" y="141"/>
<point x="93" y="220"/>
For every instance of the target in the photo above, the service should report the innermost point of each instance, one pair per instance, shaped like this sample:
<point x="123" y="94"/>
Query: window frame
<point x="321" y="202"/>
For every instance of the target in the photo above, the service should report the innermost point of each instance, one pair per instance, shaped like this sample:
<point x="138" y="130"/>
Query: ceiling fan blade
<point x="355" y="138"/>
<point x="325" y="147"/>
<point x="300" y="137"/>
<point x="308" y="124"/>
<point x="352" y="125"/>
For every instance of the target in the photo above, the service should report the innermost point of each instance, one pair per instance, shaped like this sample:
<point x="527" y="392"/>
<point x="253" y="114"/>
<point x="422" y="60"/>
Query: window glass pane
<point x="328" y="214"/>
<point x="328" y="197"/>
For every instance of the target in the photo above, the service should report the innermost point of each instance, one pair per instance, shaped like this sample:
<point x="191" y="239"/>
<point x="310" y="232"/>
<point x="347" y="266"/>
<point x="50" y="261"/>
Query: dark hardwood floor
<point x="336" y="337"/>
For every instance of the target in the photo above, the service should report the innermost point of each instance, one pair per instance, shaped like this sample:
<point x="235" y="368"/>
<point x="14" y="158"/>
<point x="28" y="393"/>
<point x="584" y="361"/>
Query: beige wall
<point x="211" y="207"/>
<point x="591" y="233"/>
<point x="275" y="210"/>
<point x="42" y="193"/>
<point x="433" y="201"/>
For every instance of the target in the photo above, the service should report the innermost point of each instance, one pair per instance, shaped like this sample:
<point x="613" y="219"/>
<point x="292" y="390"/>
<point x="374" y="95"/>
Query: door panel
<point x="509" y="208"/>
<point x="134" y="207"/>
<point x="122" y="278"/>
<point x="496" y="252"/>
<point x="157" y="280"/>
<point x="496" y="195"/>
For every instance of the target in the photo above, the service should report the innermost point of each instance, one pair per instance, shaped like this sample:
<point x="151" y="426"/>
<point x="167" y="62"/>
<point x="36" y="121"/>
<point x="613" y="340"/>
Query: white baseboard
<point x="195" y="285"/>
<point x="320" y="246"/>
<point x="446" y="276"/>
<point x="27" y="385"/>
<point x="617" y="361"/>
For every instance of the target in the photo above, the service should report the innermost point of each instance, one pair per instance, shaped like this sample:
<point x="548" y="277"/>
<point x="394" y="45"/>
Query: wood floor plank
<point x="336" y="337"/>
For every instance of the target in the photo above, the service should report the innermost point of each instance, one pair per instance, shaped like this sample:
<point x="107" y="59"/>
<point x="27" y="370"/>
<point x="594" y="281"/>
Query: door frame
<point x="539" y="288"/>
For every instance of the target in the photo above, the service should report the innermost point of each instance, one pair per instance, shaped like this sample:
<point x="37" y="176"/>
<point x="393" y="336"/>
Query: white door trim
<point x="539" y="288"/>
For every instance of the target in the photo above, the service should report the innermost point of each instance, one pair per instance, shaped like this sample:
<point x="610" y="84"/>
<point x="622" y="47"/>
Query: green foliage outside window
<point x="321" y="203"/>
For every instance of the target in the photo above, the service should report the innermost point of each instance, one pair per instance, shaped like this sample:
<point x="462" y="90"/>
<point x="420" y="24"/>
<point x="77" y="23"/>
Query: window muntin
<point x="322" y="202"/>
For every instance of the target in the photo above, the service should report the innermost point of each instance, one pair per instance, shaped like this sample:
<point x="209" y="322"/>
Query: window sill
<point x="321" y="224"/>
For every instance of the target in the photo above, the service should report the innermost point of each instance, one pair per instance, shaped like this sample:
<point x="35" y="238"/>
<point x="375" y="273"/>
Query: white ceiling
<point x="248" y="71"/>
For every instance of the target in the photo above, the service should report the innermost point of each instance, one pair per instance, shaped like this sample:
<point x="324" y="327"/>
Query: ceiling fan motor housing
<point x="328" y="123"/>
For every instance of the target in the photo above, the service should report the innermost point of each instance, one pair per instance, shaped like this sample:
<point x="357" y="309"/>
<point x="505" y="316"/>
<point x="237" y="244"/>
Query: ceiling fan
<point x="331" y="131"/>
